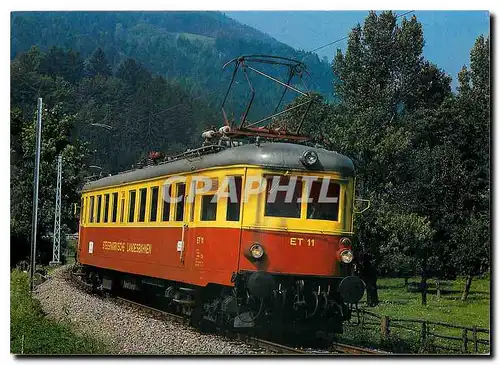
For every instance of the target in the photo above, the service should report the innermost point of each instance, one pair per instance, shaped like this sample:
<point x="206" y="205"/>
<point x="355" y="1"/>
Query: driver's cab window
<point x="323" y="201"/>
<point x="282" y="196"/>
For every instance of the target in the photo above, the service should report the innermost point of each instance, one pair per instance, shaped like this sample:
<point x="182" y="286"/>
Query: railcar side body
<point x="128" y="228"/>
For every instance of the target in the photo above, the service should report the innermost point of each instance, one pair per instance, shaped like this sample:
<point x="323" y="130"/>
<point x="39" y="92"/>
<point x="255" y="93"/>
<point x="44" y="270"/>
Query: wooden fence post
<point x="465" y="340"/>
<point x="423" y="336"/>
<point x="438" y="289"/>
<point x="474" y="338"/>
<point x="384" y="327"/>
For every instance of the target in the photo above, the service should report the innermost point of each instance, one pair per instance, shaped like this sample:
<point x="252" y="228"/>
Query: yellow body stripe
<point x="251" y="217"/>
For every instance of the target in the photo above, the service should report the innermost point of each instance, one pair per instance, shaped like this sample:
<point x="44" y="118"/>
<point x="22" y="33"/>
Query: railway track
<point x="336" y="347"/>
<point x="272" y="346"/>
<point x="151" y="310"/>
<point x="343" y="348"/>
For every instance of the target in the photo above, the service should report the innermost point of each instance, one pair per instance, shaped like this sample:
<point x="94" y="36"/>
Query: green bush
<point x="32" y="333"/>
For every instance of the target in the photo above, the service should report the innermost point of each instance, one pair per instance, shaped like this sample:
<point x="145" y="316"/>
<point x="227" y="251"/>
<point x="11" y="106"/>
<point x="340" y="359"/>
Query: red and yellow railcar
<point x="240" y="258"/>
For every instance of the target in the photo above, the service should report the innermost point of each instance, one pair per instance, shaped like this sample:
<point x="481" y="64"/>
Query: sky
<point x="449" y="35"/>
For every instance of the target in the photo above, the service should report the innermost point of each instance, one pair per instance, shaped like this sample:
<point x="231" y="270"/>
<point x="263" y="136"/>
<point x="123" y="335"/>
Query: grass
<point x="397" y="302"/>
<point x="32" y="333"/>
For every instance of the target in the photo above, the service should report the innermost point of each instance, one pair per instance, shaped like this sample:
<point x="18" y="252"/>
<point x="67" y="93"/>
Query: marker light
<point x="309" y="157"/>
<point x="344" y="241"/>
<point x="256" y="251"/>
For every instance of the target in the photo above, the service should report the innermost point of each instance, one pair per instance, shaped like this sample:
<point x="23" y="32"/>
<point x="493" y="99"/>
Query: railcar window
<point x="179" y="206"/>
<point x="91" y="209"/>
<point x="122" y="213"/>
<point x="131" y="205"/>
<point x="85" y="215"/>
<point x="154" y="204"/>
<point x="193" y="204"/>
<point x="99" y="204"/>
<point x="324" y="210"/>
<point x="114" y="208"/>
<point x="142" y="204"/>
<point x="234" y="200"/>
<point x="280" y="207"/>
<point x="82" y="210"/>
<point x="208" y="208"/>
<point x="165" y="215"/>
<point x="106" y="207"/>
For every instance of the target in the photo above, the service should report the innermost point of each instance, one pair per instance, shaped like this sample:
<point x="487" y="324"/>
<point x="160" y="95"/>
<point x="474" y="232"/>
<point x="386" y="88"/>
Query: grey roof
<point x="279" y="156"/>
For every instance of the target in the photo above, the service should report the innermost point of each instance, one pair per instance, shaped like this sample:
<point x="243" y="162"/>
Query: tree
<point x="472" y="239"/>
<point x="56" y="139"/>
<point x="132" y="73"/>
<point x="57" y="62"/>
<point x="98" y="64"/>
<point x="412" y="236"/>
<point x="313" y="122"/>
<point x="471" y="235"/>
<point x="381" y="80"/>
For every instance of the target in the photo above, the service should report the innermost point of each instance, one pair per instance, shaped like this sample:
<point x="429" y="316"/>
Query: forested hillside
<point x="101" y="122"/>
<point x="189" y="46"/>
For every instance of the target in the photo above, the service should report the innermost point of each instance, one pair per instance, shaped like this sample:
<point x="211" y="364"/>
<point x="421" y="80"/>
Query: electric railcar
<point x="239" y="259"/>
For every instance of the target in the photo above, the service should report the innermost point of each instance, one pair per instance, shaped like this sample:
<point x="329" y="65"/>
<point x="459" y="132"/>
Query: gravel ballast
<point x="125" y="330"/>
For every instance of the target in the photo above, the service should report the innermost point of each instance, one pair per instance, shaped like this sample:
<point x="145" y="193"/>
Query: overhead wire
<point x="347" y="36"/>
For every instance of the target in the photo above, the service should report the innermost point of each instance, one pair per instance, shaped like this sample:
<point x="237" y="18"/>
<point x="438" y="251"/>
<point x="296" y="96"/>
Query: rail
<point x="275" y="347"/>
<point x="152" y="310"/>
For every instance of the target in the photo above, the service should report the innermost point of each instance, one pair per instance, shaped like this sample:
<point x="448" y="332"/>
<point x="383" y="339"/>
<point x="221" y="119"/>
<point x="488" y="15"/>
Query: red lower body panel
<point x="209" y="255"/>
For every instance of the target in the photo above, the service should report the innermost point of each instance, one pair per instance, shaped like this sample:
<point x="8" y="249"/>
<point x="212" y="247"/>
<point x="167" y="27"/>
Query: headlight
<point x="256" y="251"/>
<point x="346" y="256"/>
<point x="309" y="157"/>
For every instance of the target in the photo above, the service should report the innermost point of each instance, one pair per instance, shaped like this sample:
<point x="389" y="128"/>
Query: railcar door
<point x="213" y="226"/>
<point x="181" y="212"/>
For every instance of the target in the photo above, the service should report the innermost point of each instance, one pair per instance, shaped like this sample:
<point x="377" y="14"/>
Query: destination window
<point x="277" y="189"/>
<point x="324" y="205"/>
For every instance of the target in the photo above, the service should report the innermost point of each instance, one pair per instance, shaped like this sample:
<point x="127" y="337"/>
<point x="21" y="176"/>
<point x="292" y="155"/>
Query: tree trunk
<point x="468" y="282"/>
<point x="371" y="291"/>
<point x="368" y="273"/>
<point x="406" y="282"/>
<point x="423" y="289"/>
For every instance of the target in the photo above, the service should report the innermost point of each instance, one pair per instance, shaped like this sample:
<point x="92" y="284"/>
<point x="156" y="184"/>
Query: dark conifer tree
<point x="98" y="64"/>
